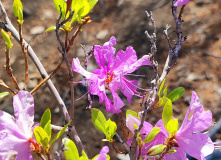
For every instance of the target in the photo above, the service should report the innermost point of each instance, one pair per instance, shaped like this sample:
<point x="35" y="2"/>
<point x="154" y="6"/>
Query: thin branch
<point x="122" y="142"/>
<point x="9" y="69"/>
<point x="2" y="83"/>
<point x="9" y="27"/>
<point x="46" y="79"/>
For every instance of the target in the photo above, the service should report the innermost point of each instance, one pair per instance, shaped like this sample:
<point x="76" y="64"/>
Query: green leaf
<point x="45" y="118"/>
<point x="98" y="119"/>
<point x="152" y="135"/>
<point x="3" y="94"/>
<point x="59" y="134"/>
<point x="47" y="129"/>
<point x="70" y="150"/>
<point x="161" y="88"/>
<point x="108" y="157"/>
<point x="52" y="28"/>
<point x="133" y="113"/>
<point x="172" y="126"/>
<point x="41" y="136"/>
<point x="165" y="91"/>
<point x="6" y="39"/>
<point x="18" y="10"/>
<point x="172" y="151"/>
<point x="81" y="8"/>
<point x="61" y="7"/>
<point x="176" y="94"/>
<point x="92" y="3"/>
<point x="167" y="113"/>
<point x="84" y="156"/>
<point x="110" y="129"/>
<point x="163" y="101"/>
<point x="156" y="150"/>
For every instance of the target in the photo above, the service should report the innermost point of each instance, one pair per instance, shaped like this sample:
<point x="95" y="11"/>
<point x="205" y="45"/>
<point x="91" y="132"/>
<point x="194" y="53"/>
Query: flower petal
<point x="181" y="3"/>
<point x="23" y="104"/>
<point x="180" y="154"/>
<point x="198" y="145"/>
<point x="76" y="65"/>
<point x="103" y="153"/>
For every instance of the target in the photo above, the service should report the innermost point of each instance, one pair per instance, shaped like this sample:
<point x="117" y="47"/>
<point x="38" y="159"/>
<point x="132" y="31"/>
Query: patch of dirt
<point x="198" y="66"/>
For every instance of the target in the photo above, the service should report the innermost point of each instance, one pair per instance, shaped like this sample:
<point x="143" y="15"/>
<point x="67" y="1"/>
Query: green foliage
<point x="133" y="113"/>
<point x="176" y="94"/>
<point x="70" y="150"/>
<point x="18" y="11"/>
<point x="59" y="134"/>
<point x="98" y="119"/>
<point x="161" y="88"/>
<point x="41" y="136"/>
<point x="81" y="8"/>
<point x="3" y="94"/>
<point x="108" y="157"/>
<point x="152" y="135"/>
<point x="163" y="101"/>
<point x="84" y="156"/>
<point x="167" y="113"/>
<point x="156" y="150"/>
<point x="110" y="129"/>
<point x="165" y="91"/>
<point x="46" y="122"/>
<point x="172" y="126"/>
<point x="172" y="151"/>
<point x="61" y="7"/>
<point x="7" y="39"/>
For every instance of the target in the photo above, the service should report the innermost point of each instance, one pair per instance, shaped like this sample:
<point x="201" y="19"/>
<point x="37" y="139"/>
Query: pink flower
<point x="181" y="3"/>
<point x="147" y="127"/>
<point x="189" y="137"/>
<point x="103" y="153"/>
<point x="111" y="74"/>
<point x="16" y="132"/>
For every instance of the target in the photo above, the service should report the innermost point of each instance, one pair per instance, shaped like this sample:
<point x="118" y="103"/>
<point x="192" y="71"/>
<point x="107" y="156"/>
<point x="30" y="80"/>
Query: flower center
<point x="171" y="142"/>
<point x="108" y="80"/>
<point x="35" y="147"/>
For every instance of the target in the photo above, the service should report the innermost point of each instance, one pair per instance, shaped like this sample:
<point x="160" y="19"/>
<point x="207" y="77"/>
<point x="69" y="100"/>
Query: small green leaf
<point x="163" y="101"/>
<point x="45" y="118"/>
<point x="152" y="135"/>
<point x="165" y="91"/>
<point x="172" y="126"/>
<point x="98" y="119"/>
<point x="47" y="129"/>
<point x="81" y="8"/>
<point x="6" y="39"/>
<point x="156" y="150"/>
<point x="18" y="10"/>
<point x="167" y="113"/>
<point x="61" y="7"/>
<point x="70" y="150"/>
<point x="84" y="156"/>
<point x="52" y="28"/>
<point x="3" y="94"/>
<point x="110" y="129"/>
<point x="176" y="94"/>
<point x="172" y="151"/>
<point x="41" y="136"/>
<point x="59" y="134"/>
<point x="161" y="88"/>
<point x="133" y="113"/>
<point x="92" y="3"/>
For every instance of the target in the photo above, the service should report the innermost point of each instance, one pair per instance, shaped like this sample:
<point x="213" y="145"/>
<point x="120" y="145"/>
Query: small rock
<point x="194" y="77"/>
<point x="47" y="14"/>
<point x="21" y="85"/>
<point x="102" y="34"/>
<point x="123" y="157"/>
<point x="37" y="30"/>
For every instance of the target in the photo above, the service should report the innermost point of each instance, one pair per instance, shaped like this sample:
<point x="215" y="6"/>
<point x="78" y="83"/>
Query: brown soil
<point x="198" y="66"/>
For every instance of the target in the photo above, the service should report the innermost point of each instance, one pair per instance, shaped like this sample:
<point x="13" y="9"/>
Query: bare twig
<point x="122" y="142"/>
<point x="7" y="26"/>
<point x="9" y="69"/>
<point x="46" y="79"/>
<point x="2" y="83"/>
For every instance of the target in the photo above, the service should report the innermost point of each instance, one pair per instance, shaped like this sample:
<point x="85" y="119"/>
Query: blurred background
<point x="198" y="66"/>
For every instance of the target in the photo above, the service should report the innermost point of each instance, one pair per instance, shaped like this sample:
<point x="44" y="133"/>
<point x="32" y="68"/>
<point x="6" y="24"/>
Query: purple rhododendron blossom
<point x="181" y="3"/>
<point x="16" y="132"/>
<point x="189" y="137"/>
<point x="147" y="127"/>
<point x="111" y="73"/>
<point x="103" y="153"/>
